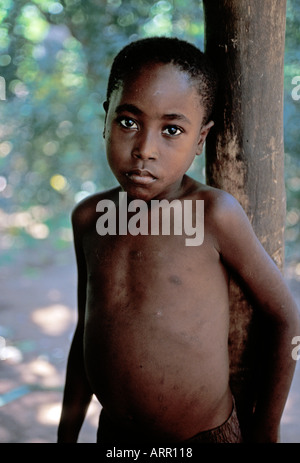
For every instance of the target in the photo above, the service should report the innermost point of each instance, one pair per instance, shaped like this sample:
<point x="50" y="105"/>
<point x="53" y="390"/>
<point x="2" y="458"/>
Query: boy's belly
<point x="163" y="368"/>
<point x="156" y="334"/>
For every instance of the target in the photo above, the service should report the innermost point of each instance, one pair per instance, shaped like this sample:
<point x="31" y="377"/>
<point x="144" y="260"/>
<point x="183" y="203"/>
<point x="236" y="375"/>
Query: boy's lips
<point x="141" y="176"/>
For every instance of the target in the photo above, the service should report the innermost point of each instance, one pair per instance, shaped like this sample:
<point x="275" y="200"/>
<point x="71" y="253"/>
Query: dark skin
<point x="153" y="314"/>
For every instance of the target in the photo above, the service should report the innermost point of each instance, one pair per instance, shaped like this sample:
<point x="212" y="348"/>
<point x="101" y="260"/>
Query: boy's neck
<point x="178" y="191"/>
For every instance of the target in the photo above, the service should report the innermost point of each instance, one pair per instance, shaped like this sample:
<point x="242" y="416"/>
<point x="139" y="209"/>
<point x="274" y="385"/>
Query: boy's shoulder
<point x="222" y="210"/>
<point x="217" y="202"/>
<point x="84" y="213"/>
<point x="225" y="219"/>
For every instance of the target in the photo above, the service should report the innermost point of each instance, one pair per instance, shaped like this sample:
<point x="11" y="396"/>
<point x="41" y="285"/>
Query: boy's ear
<point x="105" y="106"/>
<point x="203" y="134"/>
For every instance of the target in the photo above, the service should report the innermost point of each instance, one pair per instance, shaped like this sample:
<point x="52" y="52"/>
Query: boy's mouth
<point x="141" y="176"/>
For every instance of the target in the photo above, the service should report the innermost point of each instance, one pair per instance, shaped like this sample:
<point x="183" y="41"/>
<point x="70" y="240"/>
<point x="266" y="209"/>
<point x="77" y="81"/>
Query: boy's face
<point x="153" y="131"/>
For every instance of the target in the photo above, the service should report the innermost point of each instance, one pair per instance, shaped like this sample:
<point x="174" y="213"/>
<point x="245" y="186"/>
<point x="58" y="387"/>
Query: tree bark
<point x="245" y="153"/>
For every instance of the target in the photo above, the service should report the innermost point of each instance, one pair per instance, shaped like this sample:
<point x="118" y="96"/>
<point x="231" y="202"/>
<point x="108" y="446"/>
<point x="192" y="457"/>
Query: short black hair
<point x="166" y="50"/>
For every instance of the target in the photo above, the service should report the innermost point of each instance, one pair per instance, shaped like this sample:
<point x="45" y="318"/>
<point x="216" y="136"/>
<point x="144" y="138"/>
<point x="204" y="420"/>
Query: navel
<point x="175" y="280"/>
<point x="136" y="255"/>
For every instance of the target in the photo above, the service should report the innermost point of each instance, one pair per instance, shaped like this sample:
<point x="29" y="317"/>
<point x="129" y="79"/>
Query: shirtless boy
<point x="152" y="335"/>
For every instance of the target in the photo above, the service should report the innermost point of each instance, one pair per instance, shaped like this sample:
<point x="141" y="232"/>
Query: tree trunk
<point x="245" y="153"/>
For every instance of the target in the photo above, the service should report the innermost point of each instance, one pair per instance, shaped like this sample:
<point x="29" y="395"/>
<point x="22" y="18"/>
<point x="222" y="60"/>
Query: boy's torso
<point x="156" y="332"/>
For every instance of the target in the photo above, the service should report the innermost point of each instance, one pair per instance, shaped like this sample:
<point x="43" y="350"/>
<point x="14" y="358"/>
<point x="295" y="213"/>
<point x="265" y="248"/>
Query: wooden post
<point x="245" y="153"/>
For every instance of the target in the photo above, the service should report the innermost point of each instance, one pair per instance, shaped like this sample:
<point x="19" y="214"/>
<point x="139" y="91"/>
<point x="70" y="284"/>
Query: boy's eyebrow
<point x="175" y="116"/>
<point x="130" y="108"/>
<point x="135" y="110"/>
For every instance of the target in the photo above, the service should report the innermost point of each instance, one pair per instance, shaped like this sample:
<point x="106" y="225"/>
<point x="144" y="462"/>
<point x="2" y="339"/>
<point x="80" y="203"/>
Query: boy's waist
<point x="177" y="427"/>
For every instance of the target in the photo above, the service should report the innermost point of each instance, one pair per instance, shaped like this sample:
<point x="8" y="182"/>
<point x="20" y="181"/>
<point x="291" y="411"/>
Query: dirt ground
<point x="37" y="319"/>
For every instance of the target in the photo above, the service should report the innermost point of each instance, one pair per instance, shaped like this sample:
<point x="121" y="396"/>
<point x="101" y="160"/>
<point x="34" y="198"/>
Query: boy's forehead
<point x="157" y="81"/>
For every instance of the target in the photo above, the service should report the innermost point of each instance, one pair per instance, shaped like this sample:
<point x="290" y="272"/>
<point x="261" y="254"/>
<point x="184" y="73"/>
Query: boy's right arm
<point x="77" y="392"/>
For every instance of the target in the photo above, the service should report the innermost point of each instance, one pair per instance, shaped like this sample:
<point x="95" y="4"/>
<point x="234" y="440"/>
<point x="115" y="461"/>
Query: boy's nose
<point x="145" y="147"/>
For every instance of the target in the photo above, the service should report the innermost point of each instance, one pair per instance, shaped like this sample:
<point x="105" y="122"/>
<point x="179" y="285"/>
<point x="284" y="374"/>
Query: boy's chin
<point x="143" y="194"/>
<point x="140" y="196"/>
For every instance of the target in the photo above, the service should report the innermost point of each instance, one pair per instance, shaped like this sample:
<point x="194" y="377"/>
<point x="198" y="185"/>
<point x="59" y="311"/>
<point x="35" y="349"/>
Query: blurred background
<point x="55" y="58"/>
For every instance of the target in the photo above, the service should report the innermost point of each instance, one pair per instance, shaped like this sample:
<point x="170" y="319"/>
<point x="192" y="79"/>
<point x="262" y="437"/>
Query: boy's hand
<point x="258" y="438"/>
<point x="264" y="435"/>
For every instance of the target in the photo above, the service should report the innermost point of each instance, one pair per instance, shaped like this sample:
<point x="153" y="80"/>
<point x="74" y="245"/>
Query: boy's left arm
<point x="242" y="252"/>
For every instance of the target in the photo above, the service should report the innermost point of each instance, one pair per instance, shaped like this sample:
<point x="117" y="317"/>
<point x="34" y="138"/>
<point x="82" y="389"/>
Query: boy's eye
<point x="172" y="130"/>
<point x="128" y="123"/>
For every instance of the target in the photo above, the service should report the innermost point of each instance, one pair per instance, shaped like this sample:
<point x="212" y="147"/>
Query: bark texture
<point x="245" y="152"/>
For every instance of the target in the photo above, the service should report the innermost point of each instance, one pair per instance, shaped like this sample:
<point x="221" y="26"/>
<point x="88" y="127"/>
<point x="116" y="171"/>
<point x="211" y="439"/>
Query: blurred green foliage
<point x="292" y="129"/>
<point x="55" y="58"/>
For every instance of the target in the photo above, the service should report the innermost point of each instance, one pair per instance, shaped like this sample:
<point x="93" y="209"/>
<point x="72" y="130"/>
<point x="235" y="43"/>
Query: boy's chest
<point x="156" y="263"/>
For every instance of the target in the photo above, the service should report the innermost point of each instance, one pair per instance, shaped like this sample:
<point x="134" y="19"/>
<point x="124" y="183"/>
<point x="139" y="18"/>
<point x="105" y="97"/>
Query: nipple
<point x="136" y="255"/>
<point x="175" y="280"/>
